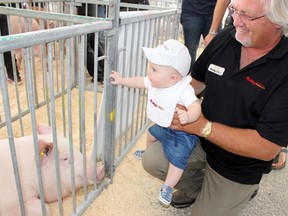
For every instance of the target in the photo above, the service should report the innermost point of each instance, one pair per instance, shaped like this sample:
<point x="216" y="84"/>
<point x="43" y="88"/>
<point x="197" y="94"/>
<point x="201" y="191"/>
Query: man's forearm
<point x="244" y="142"/>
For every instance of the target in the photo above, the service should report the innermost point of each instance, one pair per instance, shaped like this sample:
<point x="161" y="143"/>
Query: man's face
<point x="253" y="29"/>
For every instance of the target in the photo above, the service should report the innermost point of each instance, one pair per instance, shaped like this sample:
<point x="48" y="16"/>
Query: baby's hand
<point x="115" y="78"/>
<point x="182" y="116"/>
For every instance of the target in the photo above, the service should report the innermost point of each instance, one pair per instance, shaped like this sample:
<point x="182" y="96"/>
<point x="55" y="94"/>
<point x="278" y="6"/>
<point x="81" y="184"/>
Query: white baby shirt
<point x="162" y="102"/>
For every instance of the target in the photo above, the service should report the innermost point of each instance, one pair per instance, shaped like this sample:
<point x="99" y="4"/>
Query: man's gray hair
<point x="277" y="12"/>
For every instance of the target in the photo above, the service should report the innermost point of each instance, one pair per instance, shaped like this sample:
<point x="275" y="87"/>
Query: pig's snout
<point x="90" y="171"/>
<point x="100" y="172"/>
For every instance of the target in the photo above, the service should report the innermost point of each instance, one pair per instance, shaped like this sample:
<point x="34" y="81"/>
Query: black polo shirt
<point x="255" y="97"/>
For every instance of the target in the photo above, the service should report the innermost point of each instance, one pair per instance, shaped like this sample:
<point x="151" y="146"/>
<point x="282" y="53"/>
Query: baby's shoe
<point x="138" y="154"/>
<point x="165" y="195"/>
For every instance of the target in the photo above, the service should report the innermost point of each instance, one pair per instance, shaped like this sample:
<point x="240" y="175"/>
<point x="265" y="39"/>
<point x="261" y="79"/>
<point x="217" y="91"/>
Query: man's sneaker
<point x="138" y="154"/>
<point x="165" y="195"/>
<point x="181" y="200"/>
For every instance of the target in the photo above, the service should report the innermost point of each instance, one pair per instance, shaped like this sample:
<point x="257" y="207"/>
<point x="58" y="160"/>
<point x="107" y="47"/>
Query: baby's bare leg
<point x="150" y="139"/>
<point x="173" y="176"/>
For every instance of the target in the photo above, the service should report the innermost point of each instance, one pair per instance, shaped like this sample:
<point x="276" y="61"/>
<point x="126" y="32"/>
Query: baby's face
<point x="160" y="76"/>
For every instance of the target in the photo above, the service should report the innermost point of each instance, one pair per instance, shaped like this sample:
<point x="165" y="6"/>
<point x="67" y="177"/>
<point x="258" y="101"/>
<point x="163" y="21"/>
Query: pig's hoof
<point x="100" y="173"/>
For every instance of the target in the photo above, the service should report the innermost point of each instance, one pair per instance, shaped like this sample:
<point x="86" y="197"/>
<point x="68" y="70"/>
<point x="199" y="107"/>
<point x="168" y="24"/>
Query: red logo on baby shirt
<point x="253" y="82"/>
<point x="155" y="105"/>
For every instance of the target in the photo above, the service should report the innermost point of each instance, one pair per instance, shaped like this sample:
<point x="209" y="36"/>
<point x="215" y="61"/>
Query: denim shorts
<point x="177" y="145"/>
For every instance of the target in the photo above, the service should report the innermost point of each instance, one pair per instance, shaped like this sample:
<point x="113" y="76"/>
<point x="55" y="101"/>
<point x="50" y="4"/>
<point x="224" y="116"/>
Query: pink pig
<point x="18" y="26"/>
<point x="9" y="204"/>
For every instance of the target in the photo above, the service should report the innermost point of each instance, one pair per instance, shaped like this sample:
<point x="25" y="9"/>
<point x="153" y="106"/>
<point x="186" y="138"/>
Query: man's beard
<point x="245" y="42"/>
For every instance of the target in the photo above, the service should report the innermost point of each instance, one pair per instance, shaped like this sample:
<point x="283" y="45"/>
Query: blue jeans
<point x="193" y="28"/>
<point x="177" y="145"/>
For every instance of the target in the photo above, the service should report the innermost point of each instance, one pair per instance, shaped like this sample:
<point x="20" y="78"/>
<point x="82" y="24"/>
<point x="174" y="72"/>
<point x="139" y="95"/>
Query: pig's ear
<point x="45" y="149"/>
<point x="44" y="129"/>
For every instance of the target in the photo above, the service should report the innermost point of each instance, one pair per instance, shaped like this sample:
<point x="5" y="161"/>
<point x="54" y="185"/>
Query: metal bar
<point x="82" y="111"/>
<point x="34" y="130"/>
<point x="145" y="15"/>
<point x="109" y="92"/>
<point x="28" y="1"/>
<point x="70" y="132"/>
<point x="11" y="42"/>
<point x="53" y="120"/>
<point x="69" y="18"/>
<point x="95" y="111"/>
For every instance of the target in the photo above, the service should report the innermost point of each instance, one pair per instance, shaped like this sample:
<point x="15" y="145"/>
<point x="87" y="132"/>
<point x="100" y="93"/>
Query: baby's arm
<point x="192" y="114"/>
<point x="131" y="82"/>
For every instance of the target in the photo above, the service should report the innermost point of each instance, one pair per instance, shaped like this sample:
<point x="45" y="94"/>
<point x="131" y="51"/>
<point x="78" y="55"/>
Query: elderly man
<point x="245" y="111"/>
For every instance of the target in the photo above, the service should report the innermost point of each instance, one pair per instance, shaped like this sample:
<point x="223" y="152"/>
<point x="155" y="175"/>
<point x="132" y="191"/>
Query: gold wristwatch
<point x="206" y="131"/>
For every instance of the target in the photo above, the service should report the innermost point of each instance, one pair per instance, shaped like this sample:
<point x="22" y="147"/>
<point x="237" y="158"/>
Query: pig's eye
<point x="65" y="158"/>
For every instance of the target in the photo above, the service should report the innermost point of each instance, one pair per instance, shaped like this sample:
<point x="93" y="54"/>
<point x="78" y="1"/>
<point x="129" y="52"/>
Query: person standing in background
<point x="7" y="55"/>
<point x="82" y="10"/>
<point x="201" y="18"/>
<point x="219" y="11"/>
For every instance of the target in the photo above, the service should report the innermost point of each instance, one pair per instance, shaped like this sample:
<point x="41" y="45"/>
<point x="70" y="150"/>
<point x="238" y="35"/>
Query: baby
<point x="168" y="85"/>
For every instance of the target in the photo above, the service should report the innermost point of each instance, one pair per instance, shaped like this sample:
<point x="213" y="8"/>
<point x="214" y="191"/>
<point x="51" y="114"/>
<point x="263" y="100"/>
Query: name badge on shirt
<point x="216" y="69"/>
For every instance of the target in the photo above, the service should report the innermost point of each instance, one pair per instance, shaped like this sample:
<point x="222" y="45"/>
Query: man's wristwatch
<point x="206" y="131"/>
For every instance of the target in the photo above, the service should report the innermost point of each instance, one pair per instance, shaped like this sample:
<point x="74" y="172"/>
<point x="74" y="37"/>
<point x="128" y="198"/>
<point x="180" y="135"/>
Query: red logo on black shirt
<point x="249" y="79"/>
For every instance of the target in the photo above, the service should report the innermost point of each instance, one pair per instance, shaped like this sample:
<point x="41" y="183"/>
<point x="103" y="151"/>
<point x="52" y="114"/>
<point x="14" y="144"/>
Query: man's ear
<point x="277" y="26"/>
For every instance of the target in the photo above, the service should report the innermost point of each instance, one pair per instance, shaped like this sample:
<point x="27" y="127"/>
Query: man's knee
<point x="154" y="161"/>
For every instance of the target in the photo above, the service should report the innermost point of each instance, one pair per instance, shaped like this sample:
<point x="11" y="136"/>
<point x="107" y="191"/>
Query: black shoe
<point x="181" y="200"/>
